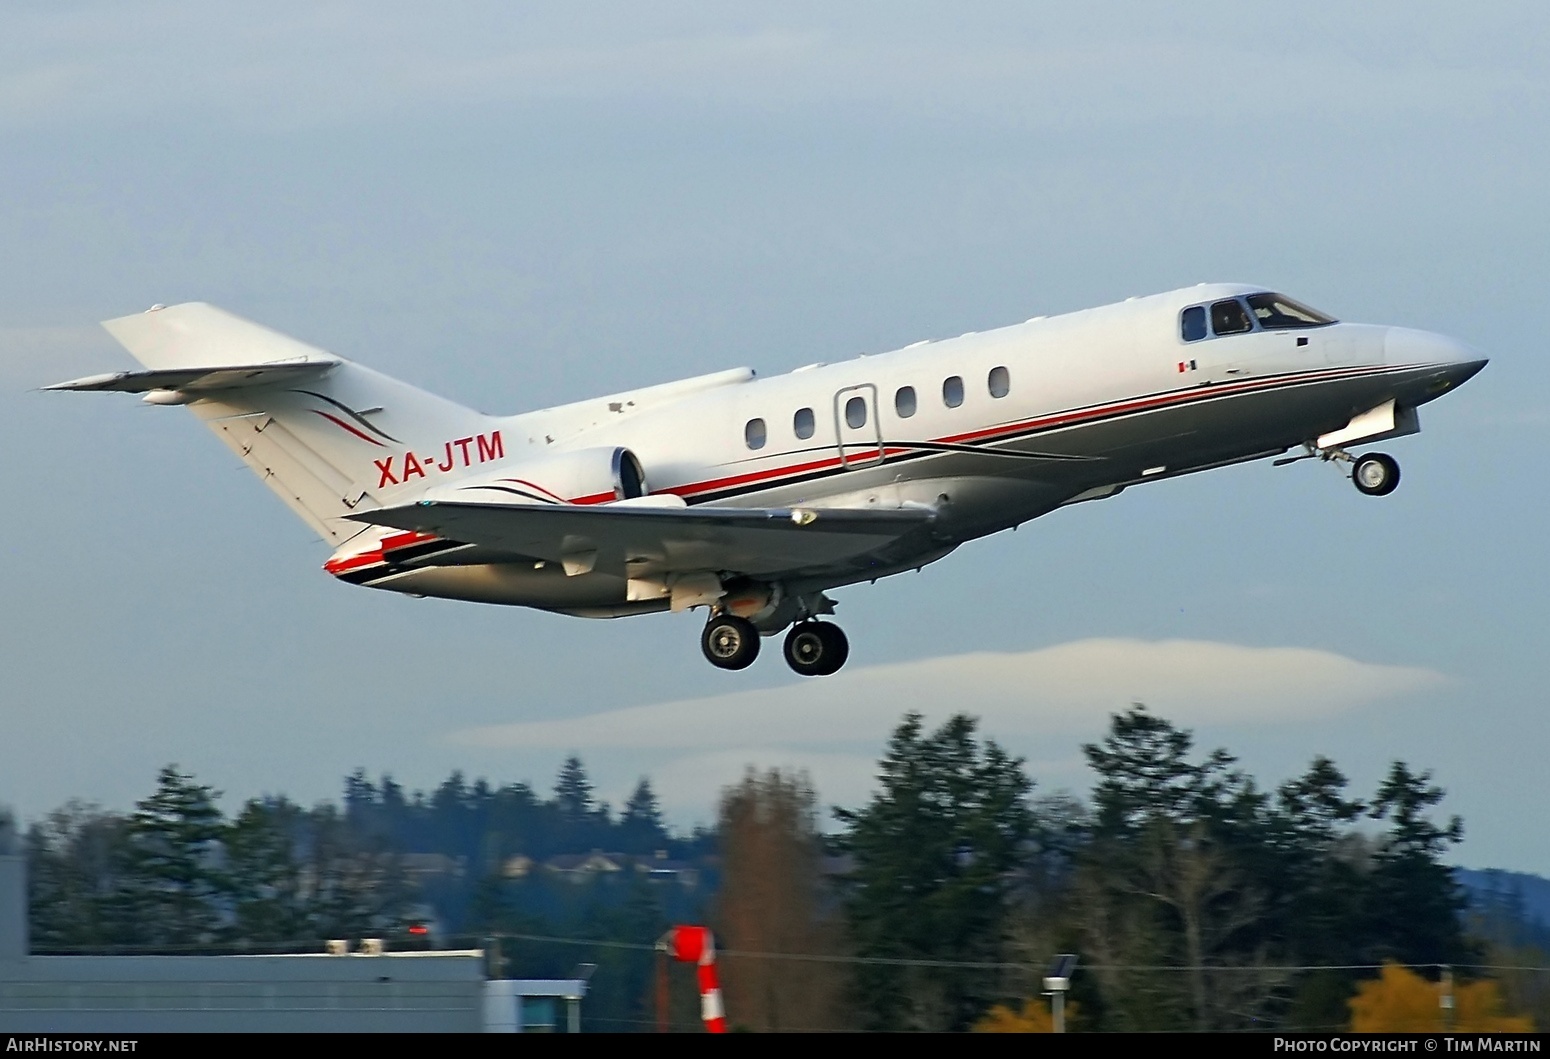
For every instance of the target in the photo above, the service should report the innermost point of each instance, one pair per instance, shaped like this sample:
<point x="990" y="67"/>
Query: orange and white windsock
<point x="697" y="945"/>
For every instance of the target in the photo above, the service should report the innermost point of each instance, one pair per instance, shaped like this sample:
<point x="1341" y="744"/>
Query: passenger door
<point x="857" y="429"/>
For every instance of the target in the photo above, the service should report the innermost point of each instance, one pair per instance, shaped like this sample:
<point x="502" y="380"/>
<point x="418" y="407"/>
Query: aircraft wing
<point x="645" y="541"/>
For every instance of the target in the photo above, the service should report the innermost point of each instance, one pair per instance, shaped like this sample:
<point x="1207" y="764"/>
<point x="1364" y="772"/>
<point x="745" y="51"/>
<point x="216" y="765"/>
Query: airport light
<point x="1057" y="980"/>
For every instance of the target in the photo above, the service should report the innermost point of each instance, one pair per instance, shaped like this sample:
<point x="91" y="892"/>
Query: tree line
<point x="176" y="871"/>
<point x="1195" y="898"/>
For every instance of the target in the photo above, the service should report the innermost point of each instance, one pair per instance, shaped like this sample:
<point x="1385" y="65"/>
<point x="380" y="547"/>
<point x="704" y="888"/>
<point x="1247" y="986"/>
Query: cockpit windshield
<point x="1277" y="312"/>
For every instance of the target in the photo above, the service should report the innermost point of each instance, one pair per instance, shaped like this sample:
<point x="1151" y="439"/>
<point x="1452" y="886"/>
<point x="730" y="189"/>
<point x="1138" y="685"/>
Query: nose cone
<point x="1407" y="347"/>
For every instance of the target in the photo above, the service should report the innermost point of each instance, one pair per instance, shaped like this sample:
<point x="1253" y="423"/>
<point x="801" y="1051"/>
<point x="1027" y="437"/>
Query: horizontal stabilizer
<point x="644" y="542"/>
<point x="199" y="380"/>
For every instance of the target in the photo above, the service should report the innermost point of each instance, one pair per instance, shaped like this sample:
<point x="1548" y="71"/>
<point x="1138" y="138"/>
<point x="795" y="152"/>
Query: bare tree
<point x="773" y="902"/>
<point x="1211" y="902"/>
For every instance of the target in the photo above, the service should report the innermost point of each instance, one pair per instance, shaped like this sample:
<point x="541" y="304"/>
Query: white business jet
<point x="754" y="497"/>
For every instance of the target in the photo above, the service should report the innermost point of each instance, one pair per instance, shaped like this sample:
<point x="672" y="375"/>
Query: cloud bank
<point x="1064" y="688"/>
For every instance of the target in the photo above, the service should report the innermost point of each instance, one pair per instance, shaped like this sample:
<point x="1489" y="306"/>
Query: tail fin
<point x="326" y="435"/>
<point x="196" y="335"/>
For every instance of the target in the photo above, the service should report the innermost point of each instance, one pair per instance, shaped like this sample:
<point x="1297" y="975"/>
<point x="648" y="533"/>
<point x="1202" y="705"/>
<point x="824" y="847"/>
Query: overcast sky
<point x="519" y="205"/>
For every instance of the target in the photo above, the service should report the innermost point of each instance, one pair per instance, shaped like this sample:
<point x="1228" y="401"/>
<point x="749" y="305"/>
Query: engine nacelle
<point x="580" y="476"/>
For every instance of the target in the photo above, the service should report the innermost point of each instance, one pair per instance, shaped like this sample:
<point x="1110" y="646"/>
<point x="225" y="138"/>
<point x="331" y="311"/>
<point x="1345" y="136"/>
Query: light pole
<point x="581" y="976"/>
<point x="1056" y="982"/>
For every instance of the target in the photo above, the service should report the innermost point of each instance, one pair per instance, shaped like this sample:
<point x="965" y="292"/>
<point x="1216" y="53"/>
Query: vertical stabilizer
<point x="197" y="335"/>
<point x="328" y="436"/>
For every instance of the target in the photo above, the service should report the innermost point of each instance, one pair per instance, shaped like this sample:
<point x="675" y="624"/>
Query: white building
<point x="405" y="992"/>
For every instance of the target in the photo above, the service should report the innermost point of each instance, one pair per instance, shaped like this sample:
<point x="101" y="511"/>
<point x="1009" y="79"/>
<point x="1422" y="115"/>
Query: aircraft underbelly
<point x="514" y="584"/>
<point x="1210" y="431"/>
<point x="546" y="585"/>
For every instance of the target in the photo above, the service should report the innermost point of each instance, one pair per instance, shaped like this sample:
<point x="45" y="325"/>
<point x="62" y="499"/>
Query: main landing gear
<point x="1373" y="473"/>
<point x="730" y="642"/>
<point x="812" y="649"/>
<point x="816" y="648"/>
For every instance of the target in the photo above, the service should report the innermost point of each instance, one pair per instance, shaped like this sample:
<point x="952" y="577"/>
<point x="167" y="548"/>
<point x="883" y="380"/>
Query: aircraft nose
<point x="1404" y="345"/>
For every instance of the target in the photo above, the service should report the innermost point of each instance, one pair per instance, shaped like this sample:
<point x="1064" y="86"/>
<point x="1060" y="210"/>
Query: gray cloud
<point x="1068" y="687"/>
<point x="307" y="65"/>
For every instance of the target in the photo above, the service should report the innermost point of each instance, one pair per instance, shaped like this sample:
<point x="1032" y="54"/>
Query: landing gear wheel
<point x="816" y="649"/>
<point x="730" y="642"/>
<point x="1375" y="474"/>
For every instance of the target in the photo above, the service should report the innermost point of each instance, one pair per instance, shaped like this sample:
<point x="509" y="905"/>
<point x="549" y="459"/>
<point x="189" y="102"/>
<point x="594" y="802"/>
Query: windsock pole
<point x="697" y="945"/>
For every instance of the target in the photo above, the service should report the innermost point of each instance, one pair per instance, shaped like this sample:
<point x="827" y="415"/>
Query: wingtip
<point x="89" y="382"/>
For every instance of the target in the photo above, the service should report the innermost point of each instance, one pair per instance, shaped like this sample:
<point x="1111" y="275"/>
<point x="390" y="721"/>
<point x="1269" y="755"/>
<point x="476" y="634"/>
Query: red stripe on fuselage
<point x="344" y="564"/>
<point x="1046" y="422"/>
<point x="353" y="562"/>
<point x="346" y="426"/>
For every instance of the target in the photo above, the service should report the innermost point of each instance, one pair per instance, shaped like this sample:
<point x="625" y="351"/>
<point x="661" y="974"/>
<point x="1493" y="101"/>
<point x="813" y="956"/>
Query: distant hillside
<point x="1512" y="906"/>
<point x="1533" y="890"/>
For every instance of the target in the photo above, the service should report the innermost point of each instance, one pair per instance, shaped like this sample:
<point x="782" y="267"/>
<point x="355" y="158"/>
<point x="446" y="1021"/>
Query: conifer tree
<point x="268" y="903"/>
<point x="640" y="824"/>
<point x="935" y="856"/>
<point x="573" y="790"/>
<point x="174" y="888"/>
<point x="1414" y="900"/>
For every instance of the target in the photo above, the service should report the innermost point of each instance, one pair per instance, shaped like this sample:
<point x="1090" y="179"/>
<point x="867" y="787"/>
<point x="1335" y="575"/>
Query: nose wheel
<point x="1375" y="474"/>
<point x="816" y="648"/>
<point x="730" y="642"/>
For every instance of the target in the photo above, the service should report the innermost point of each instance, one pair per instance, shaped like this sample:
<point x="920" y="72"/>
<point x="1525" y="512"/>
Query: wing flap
<point x="640" y="542"/>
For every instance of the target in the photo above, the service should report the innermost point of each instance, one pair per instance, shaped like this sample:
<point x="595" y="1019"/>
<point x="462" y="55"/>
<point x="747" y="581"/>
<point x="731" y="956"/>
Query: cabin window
<point x="904" y="402"/>
<point x="952" y="391"/>
<point x="1277" y="312"/>
<point x="1230" y="318"/>
<point x="755" y="434"/>
<point x="1000" y="382"/>
<point x="1192" y="324"/>
<point x="802" y="423"/>
<point x="855" y="412"/>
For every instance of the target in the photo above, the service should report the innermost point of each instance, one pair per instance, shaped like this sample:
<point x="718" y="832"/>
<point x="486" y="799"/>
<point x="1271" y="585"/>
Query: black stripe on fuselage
<point x="1072" y="419"/>
<point x="514" y="492"/>
<point x="352" y="413"/>
<point x="396" y="556"/>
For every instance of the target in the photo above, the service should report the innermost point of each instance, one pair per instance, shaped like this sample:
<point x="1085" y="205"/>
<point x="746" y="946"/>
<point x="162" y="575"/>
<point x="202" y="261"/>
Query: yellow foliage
<point x="1400" y="1001"/>
<point x="1035" y="1017"/>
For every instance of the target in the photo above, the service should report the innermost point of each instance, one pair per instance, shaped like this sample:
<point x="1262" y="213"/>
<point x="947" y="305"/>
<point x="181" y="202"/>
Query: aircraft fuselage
<point x="1003" y="426"/>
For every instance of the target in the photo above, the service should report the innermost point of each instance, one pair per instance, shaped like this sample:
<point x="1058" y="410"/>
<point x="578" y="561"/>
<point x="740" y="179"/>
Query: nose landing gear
<point x="1374" y="474"/>
<point x="816" y="648"/>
